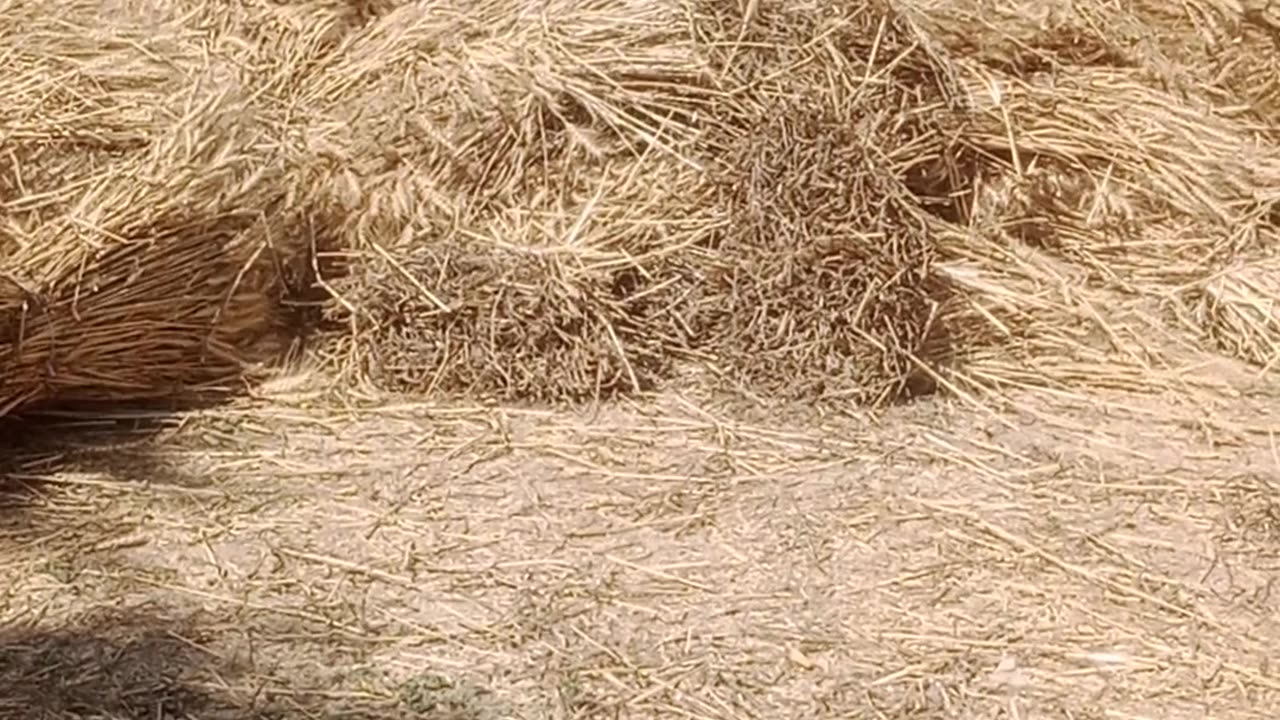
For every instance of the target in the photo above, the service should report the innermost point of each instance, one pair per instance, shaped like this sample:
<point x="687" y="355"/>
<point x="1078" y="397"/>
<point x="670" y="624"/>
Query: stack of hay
<point x="827" y="162"/>
<point x="151" y="228"/>
<point x="577" y="207"/>
<point x="519" y="191"/>
<point x="1114" y="188"/>
<point x="563" y="200"/>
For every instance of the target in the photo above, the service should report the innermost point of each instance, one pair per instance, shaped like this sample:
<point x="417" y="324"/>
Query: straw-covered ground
<point x="639" y="358"/>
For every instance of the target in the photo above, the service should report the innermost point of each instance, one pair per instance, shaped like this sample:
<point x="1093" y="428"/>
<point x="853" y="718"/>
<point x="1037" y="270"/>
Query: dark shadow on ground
<point x="127" y="661"/>
<point x="147" y="663"/>
<point x="40" y="451"/>
<point x="105" y="438"/>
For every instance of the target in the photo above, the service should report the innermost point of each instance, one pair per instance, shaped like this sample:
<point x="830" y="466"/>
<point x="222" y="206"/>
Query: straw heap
<point x="821" y="282"/>
<point x="546" y="201"/>
<point x="165" y="274"/>
<point x="1124" y="177"/>
<point x="1150" y="197"/>
<point x="513" y="227"/>
<point x="578" y="207"/>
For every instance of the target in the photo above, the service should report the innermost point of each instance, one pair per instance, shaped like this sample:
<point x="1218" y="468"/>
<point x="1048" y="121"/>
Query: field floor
<point x="551" y="199"/>
<point x="673" y="558"/>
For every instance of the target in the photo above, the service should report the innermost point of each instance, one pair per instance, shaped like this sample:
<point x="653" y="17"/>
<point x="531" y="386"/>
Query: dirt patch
<point x="657" y="560"/>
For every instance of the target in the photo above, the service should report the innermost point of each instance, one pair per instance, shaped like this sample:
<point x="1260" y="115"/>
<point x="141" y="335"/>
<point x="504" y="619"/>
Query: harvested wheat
<point x="74" y="99"/>
<point x="164" y="275"/>
<point x="570" y="297"/>
<point x="1149" y="192"/>
<point x="513" y="228"/>
<point x="1240" y="308"/>
<point x="821" y="282"/>
<point x="550" y="200"/>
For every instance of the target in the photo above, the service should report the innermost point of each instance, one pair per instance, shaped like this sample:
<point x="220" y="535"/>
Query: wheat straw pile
<point x="853" y="202"/>
<point x="154" y="226"/>
<point x="579" y="207"/>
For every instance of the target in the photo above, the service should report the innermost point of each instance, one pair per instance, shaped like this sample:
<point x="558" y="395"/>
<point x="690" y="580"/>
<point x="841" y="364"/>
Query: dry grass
<point x="820" y="283"/>
<point x="513" y="196"/>
<point x="1240" y="308"/>
<point x="688" y="158"/>
<point x="848" y="207"/>
<point x="1060" y="215"/>
<point x="155" y="227"/>
<point x="163" y="273"/>
<point x="1141" y="189"/>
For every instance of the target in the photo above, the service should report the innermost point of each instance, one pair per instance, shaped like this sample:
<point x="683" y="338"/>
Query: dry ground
<point x="302" y="555"/>
<point x="675" y="558"/>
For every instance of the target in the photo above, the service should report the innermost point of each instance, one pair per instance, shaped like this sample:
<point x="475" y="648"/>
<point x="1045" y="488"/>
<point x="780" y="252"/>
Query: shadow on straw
<point x="136" y="662"/>
<point x="116" y="441"/>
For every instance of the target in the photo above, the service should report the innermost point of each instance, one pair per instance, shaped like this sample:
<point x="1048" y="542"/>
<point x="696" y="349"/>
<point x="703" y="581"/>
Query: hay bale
<point x="820" y="283"/>
<point x="513" y="224"/>
<point x="567" y="298"/>
<point x="166" y="274"/>
<point x="1148" y="190"/>
<point x="1240" y="309"/>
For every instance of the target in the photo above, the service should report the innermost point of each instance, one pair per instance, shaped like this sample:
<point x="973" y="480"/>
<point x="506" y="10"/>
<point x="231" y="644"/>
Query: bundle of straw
<point x="164" y="275"/>
<point x="518" y="184"/>
<point x="821" y="282"/>
<point x="1147" y="190"/>
<point x="1240" y="308"/>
